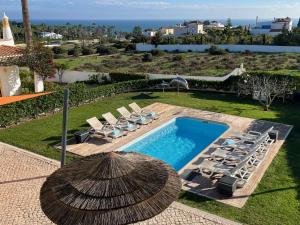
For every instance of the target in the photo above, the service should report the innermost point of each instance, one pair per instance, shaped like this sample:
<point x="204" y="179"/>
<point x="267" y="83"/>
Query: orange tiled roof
<point x="9" y="51"/>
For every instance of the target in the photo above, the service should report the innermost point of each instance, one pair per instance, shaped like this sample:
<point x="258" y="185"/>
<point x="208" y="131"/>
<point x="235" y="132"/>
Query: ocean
<point x="128" y="25"/>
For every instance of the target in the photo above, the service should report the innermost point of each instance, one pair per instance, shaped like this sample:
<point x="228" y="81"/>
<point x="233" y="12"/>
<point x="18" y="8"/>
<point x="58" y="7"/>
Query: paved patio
<point x="203" y="187"/>
<point x="22" y="174"/>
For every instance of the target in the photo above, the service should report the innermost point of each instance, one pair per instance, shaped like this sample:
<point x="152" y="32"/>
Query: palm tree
<point x="26" y="22"/>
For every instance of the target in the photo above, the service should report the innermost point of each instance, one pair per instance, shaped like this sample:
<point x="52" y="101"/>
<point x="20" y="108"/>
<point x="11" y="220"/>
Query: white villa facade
<point x="51" y="35"/>
<point x="150" y="32"/>
<point x="215" y="25"/>
<point x="10" y="82"/>
<point x="272" y="28"/>
<point x="190" y="28"/>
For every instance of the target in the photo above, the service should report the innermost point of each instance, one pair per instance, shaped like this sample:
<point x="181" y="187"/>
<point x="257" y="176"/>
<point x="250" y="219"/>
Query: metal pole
<point x="64" y="128"/>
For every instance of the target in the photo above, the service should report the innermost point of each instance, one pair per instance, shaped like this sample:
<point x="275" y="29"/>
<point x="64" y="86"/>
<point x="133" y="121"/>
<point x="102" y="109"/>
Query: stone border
<point x="205" y="215"/>
<point x="30" y="154"/>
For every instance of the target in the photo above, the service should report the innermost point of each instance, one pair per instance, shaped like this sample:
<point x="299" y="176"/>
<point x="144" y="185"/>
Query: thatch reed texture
<point x="109" y="189"/>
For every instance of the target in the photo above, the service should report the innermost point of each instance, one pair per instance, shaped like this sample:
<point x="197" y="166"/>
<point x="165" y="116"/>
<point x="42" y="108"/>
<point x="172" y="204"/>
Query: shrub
<point x="157" y="52"/>
<point x="147" y="57"/>
<point x="106" y="50"/>
<point x="130" y="48"/>
<point x="59" y="50"/>
<point x="74" y="51"/>
<point x="87" y="51"/>
<point x="215" y="50"/>
<point x="177" y="58"/>
<point x="121" y="44"/>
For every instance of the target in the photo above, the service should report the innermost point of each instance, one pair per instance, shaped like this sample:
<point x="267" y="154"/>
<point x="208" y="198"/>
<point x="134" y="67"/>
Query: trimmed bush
<point x="121" y="77"/>
<point x="106" y="50"/>
<point x="157" y="52"/>
<point x="147" y="57"/>
<point x="87" y="51"/>
<point x="59" y="50"/>
<point x="215" y="50"/>
<point x="177" y="58"/>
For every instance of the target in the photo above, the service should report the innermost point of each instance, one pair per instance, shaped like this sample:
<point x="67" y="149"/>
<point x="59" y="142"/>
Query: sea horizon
<point x="128" y="24"/>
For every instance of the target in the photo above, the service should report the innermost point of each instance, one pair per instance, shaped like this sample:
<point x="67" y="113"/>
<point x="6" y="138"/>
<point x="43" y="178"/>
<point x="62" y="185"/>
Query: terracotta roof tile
<point x="9" y="51"/>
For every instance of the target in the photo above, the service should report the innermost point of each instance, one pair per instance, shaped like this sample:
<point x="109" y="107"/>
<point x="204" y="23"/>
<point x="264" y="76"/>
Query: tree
<point x="229" y="23"/>
<point x="39" y="59"/>
<point x="298" y="25"/>
<point x="61" y="68"/>
<point x="26" y="22"/>
<point x="265" y="88"/>
<point x="157" y="39"/>
<point x="137" y="31"/>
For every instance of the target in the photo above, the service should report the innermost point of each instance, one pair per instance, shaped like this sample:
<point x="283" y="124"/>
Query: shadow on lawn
<point x="141" y="96"/>
<point x="55" y="140"/>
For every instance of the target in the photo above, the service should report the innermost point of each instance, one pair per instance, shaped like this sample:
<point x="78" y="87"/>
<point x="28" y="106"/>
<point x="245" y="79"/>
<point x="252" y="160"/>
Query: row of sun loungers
<point x="127" y="122"/>
<point x="235" y="159"/>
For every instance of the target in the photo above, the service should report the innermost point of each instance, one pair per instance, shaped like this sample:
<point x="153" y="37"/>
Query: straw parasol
<point x="109" y="189"/>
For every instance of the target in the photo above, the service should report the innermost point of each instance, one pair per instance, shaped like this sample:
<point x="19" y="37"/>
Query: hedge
<point x="79" y="94"/>
<point x="121" y="77"/>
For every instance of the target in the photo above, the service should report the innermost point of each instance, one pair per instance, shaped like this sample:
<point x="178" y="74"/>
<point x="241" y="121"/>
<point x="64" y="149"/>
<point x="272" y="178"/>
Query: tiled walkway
<point x="22" y="174"/>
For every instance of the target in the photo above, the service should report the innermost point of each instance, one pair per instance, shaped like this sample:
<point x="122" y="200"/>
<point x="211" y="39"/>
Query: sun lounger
<point x="125" y="125"/>
<point x="126" y="115"/>
<point x="106" y="131"/>
<point x="241" y="169"/>
<point x="237" y="155"/>
<point x="139" y="111"/>
<point x="253" y="135"/>
<point x="245" y="144"/>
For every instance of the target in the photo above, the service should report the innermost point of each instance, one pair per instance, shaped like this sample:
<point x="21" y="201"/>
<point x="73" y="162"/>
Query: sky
<point x="156" y="9"/>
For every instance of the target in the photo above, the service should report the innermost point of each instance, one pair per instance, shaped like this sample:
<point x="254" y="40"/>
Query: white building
<point x="189" y="28"/>
<point x="167" y="31"/>
<point x="272" y="28"/>
<point x="51" y="35"/>
<point x="10" y="82"/>
<point x="215" y="25"/>
<point x="150" y="33"/>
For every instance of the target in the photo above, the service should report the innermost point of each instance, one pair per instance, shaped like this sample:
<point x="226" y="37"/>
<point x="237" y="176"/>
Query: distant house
<point x="167" y="31"/>
<point x="51" y="35"/>
<point x="150" y="32"/>
<point x="189" y="28"/>
<point x="215" y="25"/>
<point x="272" y="28"/>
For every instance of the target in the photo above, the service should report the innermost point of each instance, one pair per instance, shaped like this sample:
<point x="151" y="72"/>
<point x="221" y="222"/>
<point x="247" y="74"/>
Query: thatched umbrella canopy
<point x="109" y="189"/>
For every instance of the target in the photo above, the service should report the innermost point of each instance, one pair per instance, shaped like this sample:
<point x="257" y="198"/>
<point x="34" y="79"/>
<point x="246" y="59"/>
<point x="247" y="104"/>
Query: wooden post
<point x="65" y="127"/>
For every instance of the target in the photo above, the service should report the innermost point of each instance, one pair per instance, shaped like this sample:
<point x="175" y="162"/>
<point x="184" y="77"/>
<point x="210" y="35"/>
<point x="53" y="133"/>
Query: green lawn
<point x="276" y="199"/>
<point x="191" y="63"/>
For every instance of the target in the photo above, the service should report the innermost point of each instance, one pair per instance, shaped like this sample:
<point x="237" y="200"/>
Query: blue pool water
<point x="178" y="141"/>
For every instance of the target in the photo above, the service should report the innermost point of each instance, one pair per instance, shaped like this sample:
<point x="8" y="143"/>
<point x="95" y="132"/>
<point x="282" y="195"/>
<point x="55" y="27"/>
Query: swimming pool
<point x="178" y="141"/>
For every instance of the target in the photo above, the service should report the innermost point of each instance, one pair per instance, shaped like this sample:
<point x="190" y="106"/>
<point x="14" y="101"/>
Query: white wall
<point x="71" y="76"/>
<point x="232" y="48"/>
<point x="38" y="83"/>
<point x="10" y="81"/>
